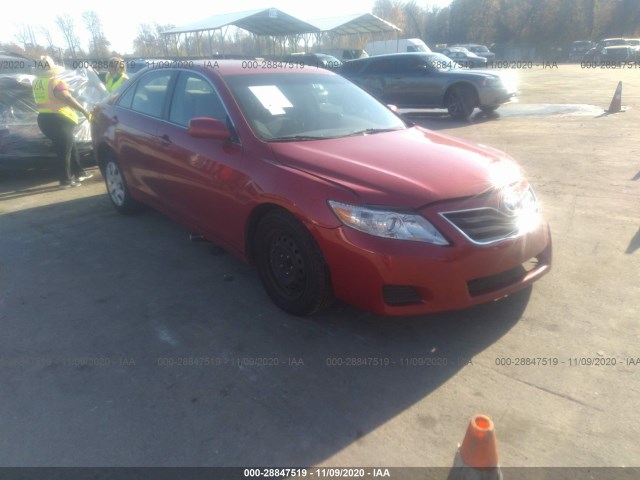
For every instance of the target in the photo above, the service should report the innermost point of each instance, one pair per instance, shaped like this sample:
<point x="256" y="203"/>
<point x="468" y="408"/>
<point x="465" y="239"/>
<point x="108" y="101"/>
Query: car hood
<point x="406" y="168"/>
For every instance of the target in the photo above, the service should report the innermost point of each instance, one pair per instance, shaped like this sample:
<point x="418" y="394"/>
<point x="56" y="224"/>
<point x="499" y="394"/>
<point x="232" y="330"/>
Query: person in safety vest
<point x="57" y="119"/>
<point x="116" y="74"/>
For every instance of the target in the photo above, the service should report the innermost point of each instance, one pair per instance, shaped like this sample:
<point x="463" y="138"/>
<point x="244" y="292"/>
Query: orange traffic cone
<point x="616" y="101"/>
<point x="477" y="457"/>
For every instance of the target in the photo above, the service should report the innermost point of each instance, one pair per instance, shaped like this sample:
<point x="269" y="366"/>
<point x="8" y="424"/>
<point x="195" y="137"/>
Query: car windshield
<point x="613" y="43"/>
<point x="441" y="62"/>
<point x="416" y="48"/>
<point x="481" y="49"/>
<point x="300" y="107"/>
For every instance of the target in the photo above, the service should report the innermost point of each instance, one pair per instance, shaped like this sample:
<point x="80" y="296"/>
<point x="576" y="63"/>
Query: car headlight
<point x="387" y="223"/>
<point x="520" y="201"/>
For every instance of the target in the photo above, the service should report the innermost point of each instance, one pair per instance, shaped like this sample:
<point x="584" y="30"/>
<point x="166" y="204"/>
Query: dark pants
<point x="59" y="129"/>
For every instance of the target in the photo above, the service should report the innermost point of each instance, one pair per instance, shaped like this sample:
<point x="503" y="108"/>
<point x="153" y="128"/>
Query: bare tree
<point x="26" y="37"/>
<point x="65" y="24"/>
<point x="48" y="38"/>
<point x="51" y="48"/>
<point x="414" y="20"/>
<point x="150" y="41"/>
<point x="389" y="10"/>
<point x="12" y="47"/>
<point x="99" y="45"/>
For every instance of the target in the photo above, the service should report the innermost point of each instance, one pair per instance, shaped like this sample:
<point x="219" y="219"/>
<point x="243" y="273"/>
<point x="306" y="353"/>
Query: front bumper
<point x="393" y="277"/>
<point x="495" y="96"/>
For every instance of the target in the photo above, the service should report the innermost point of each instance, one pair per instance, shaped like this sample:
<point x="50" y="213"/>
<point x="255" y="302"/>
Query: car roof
<point x="225" y="68"/>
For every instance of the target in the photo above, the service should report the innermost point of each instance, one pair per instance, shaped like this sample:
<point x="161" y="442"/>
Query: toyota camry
<point x="327" y="191"/>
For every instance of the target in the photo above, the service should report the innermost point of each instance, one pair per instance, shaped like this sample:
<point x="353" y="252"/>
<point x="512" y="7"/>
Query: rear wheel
<point x="291" y="265"/>
<point x="117" y="187"/>
<point x="460" y="102"/>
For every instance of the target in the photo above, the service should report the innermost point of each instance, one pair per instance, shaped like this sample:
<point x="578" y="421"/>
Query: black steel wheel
<point x="291" y="265"/>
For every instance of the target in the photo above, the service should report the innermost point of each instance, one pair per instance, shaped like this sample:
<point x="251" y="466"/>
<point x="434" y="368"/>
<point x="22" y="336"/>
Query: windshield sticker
<point x="271" y="98"/>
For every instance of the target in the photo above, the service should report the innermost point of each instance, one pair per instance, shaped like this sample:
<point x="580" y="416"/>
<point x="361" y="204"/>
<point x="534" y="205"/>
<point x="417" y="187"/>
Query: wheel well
<point x="252" y="223"/>
<point x="103" y="151"/>
<point x="466" y="86"/>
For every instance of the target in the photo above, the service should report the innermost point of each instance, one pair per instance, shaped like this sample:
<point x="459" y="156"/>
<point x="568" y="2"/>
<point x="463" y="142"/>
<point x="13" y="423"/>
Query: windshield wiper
<point x="295" y="138"/>
<point x="371" y="131"/>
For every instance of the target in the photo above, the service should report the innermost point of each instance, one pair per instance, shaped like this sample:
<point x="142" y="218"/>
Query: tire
<point x="460" y="102"/>
<point x="291" y="265"/>
<point x="117" y="187"/>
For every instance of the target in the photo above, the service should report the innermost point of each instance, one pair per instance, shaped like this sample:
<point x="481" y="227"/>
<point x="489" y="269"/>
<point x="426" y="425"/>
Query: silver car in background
<point x="430" y="80"/>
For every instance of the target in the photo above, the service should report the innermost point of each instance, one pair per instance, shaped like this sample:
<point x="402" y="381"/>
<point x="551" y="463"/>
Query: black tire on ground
<point x="291" y="265"/>
<point x="460" y="102"/>
<point x="117" y="187"/>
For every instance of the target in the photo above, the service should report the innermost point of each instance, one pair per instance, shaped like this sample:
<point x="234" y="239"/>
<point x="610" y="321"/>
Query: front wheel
<point x="291" y="265"/>
<point x="460" y="102"/>
<point x="117" y="187"/>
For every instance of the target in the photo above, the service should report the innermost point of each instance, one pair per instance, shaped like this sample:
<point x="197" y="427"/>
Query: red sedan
<point x="327" y="191"/>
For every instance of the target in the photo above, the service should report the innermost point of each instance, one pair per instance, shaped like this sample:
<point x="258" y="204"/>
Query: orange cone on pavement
<point x="616" y="101"/>
<point x="477" y="457"/>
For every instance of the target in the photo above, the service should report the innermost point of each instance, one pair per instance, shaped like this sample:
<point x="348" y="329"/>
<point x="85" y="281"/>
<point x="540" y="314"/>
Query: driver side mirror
<point x="205" y="127"/>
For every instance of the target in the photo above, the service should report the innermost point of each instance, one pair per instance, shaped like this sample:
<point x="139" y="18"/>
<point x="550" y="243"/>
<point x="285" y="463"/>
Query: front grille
<point x="483" y="225"/>
<point x="400" y="295"/>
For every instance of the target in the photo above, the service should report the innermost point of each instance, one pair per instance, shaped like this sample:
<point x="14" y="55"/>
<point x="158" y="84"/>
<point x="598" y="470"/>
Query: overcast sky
<point x="121" y="18"/>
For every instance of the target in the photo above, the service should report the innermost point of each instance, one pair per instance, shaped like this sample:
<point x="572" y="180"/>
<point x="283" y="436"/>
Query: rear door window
<point x="353" y="66"/>
<point x="151" y="93"/>
<point x="380" y="66"/>
<point x="410" y="64"/>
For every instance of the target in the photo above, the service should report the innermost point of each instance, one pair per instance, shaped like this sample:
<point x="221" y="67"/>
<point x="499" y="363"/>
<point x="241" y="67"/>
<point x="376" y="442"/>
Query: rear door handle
<point x="165" y="141"/>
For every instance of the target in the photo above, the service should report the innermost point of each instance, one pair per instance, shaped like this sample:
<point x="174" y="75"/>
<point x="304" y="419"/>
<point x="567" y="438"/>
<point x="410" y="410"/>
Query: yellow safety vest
<point x="47" y="102"/>
<point x="111" y="83"/>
